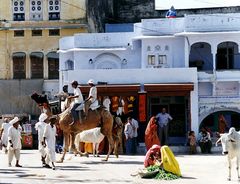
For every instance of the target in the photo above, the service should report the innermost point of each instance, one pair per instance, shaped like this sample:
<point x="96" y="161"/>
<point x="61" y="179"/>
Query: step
<point x="141" y="149"/>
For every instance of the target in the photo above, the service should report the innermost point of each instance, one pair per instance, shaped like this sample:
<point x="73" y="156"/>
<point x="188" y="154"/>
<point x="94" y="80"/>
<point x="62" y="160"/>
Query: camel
<point x="99" y="117"/>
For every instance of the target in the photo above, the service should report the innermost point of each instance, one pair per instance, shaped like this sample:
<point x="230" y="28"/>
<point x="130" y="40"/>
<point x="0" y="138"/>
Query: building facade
<point x="188" y="65"/>
<point x="29" y="32"/>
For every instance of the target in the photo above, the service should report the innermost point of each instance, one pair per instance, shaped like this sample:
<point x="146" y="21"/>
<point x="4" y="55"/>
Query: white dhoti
<point x="4" y="140"/>
<point x="94" y="105"/>
<point x="50" y="135"/>
<point x="13" y="152"/>
<point x="41" y="149"/>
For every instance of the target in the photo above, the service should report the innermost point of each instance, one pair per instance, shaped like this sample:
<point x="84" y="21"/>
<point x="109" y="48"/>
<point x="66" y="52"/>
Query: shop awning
<point x="114" y="89"/>
<point x="170" y="89"/>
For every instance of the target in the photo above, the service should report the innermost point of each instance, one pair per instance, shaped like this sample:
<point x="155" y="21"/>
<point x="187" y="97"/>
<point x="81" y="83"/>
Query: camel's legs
<point x="116" y="143"/>
<point x="72" y="145"/>
<point x="66" y="146"/>
<point x="110" y="140"/>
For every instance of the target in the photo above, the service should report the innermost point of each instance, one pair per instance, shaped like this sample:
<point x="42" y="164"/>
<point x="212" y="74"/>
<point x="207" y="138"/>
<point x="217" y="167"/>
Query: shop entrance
<point x="177" y="107"/>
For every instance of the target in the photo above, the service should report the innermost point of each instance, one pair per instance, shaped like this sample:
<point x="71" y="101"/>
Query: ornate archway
<point x="107" y="61"/>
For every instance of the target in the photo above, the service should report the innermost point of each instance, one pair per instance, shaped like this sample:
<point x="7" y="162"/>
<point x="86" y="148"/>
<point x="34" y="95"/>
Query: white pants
<point x="41" y="149"/>
<point x="13" y="152"/>
<point x="51" y="156"/>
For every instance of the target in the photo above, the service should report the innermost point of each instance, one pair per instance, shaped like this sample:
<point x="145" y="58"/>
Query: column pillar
<point x="187" y="48"/>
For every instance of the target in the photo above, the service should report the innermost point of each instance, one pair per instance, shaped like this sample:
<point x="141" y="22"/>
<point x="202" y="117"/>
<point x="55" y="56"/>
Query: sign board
<point x="142" y="107"/>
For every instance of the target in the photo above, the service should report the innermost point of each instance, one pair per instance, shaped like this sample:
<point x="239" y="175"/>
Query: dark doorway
<point x="225" y="58"/>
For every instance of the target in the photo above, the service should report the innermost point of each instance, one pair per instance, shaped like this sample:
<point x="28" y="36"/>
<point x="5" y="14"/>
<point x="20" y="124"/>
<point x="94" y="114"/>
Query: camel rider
<point x="92" y="97"/>
<point x="78" y="99"/>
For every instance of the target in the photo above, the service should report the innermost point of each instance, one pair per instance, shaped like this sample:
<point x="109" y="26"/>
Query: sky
<point x="191" y="4"/>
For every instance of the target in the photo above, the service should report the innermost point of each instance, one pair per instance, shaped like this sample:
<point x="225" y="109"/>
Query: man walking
<point x="49" y="141"/>
<point x="14" y="142"/>
<point x="40" y="126"/>
<point x="4" y="134"/>
<point x="163" y="120"/>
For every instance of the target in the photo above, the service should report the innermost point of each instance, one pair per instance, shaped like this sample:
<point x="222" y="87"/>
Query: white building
<point x="189" y="65"/>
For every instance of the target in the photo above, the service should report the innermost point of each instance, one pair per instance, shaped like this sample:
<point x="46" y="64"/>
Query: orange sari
<point x="151" y="136"/>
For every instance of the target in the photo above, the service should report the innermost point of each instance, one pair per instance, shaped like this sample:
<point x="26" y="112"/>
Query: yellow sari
<point x="169" y="162"/>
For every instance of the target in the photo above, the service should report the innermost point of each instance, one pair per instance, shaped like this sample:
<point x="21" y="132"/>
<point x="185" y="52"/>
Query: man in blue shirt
<point x="163" y="120"/>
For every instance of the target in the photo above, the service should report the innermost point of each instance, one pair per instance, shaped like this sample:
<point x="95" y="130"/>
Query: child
<point x="192" y="142"/>
<point x="49" y="141"/>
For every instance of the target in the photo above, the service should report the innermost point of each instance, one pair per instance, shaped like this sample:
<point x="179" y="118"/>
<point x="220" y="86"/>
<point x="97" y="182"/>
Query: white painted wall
<point x="205" y="89"/>
<point x="51" y="87"/>
<point x="98" y="40"/>
<point x="131" y="76"/>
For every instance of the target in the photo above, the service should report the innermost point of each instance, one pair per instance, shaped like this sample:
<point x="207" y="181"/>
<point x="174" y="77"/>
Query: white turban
<point x="14" y="120"/>
<point x="90" y="81"/>
<point x="43" y="117"/>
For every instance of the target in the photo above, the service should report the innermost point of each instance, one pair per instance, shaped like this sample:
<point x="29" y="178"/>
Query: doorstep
<point x="141" y="149"/>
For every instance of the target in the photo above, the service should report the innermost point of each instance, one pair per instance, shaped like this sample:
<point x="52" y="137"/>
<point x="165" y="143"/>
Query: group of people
<point x="11" y="140"/>
<point x="156" y="133"/>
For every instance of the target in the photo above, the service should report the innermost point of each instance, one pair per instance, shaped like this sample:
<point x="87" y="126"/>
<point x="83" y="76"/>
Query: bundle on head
<point x="39" y="99"/>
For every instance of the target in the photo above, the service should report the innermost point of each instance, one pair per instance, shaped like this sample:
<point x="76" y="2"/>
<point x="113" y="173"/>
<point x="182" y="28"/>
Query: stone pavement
<point x="196" y="169"/>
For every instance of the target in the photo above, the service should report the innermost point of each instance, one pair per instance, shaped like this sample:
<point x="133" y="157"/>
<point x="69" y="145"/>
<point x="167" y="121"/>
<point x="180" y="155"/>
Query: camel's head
<point x="40" y="99"/>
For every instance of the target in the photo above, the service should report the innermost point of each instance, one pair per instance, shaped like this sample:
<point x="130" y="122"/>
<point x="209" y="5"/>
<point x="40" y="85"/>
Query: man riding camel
<point x="78" y="99"/>
<point x="92" y="98"/>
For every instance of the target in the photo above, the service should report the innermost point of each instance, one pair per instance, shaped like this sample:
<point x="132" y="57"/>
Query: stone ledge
<point x="141" y="149"/>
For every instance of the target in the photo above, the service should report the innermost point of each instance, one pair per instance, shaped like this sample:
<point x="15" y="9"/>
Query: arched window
<point x="36" y="59"/>
<point x="201" y="56"/>
<point x="69" y="65"/>
<point x="19" y="65"/>
<point x="53" y="65"/>
<point x="227" y="56"/>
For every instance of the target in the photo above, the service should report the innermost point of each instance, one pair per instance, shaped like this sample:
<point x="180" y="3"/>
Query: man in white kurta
<point x="91" y="101"/>
<point x="4" y="134"/>
<point x="40" y="126"/>
<point x="49" y="140"/>
<point x="106" y="103"/>
<point x="14" y="142"/>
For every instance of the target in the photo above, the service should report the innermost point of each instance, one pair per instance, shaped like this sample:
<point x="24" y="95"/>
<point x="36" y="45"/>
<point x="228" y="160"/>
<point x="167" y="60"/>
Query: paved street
<point x="197" y="169"/>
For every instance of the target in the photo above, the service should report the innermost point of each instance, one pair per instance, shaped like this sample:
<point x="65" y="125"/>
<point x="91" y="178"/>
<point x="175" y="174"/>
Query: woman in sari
<point x="151" y="135"/>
